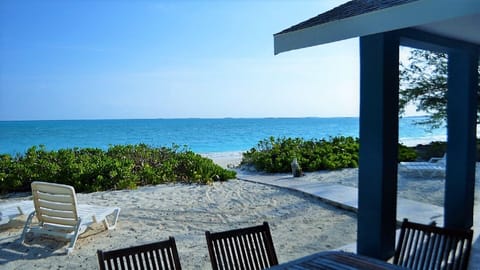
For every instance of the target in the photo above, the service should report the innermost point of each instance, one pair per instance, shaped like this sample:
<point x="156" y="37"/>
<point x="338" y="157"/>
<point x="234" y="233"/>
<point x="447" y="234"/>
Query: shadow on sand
<point x="11" y="248"/>
<point x="32" y="250"/>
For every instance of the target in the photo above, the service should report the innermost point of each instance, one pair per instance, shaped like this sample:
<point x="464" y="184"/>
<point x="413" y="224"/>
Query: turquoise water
<point x="200" y="135"/>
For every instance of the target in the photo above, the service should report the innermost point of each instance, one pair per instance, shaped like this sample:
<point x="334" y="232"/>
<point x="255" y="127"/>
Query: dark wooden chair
<point x="245" y="248"/>
<point x="159" y="255"/>
<point x="429" y="247"/>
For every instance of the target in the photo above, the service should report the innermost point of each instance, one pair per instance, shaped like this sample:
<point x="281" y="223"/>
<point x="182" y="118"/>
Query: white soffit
<point x="464" y="28"/>
<point x="457" y="19"/>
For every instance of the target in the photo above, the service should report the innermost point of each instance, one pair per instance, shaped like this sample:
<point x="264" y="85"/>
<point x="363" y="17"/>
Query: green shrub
<point x="274" y="155"/>
<point x="433" y="149"/>
<point x="120" y="167"/>
<point x="406" y="153"/>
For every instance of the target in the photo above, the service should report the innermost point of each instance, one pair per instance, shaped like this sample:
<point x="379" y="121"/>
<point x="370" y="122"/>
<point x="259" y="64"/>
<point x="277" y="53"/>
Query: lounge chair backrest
<point x="246" y="248"/>
<point x="55" y="205"/>
<point x="429" y="247"/>
<point x="58" y="214"/>
<point x="159" y="255"/>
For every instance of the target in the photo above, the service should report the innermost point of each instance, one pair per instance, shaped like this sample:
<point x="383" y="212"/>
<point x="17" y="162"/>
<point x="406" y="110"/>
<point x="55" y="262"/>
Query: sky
<point x="106" y="59"/>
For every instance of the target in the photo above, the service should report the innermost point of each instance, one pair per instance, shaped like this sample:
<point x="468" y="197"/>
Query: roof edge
<point x="377" y="21"/>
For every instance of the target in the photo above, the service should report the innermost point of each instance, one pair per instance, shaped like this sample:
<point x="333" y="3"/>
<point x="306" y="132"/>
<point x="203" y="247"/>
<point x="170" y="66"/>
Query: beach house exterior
<point x="447" y="26"/>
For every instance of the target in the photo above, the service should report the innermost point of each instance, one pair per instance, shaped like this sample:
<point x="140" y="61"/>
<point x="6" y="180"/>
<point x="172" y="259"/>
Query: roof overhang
<point x="459" y="20"/>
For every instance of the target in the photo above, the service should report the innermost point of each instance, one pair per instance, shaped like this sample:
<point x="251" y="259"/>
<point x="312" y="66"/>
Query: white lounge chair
<point x="58" y="213"/>
<point x="12" y="210"/>
<point x="433" y="167"/>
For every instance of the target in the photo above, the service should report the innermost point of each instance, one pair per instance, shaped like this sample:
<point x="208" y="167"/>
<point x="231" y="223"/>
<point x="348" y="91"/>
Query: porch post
<point x="461" y="130"/>
<point x="377" y="198"/>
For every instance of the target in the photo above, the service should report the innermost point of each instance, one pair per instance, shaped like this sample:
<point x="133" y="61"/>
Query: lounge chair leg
<point x="114" y="223"/>
<point x="26" y="228"/>
<point x="74" y="238"/>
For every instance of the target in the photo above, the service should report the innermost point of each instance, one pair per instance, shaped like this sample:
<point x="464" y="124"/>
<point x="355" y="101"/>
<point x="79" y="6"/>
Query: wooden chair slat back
<point x="245" y="248"/>
<point x="429" y="247"/>
<point x="155" y="256"/>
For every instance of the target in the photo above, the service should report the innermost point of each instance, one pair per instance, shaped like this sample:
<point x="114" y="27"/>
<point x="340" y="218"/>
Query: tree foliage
<point x="423" y="82"/>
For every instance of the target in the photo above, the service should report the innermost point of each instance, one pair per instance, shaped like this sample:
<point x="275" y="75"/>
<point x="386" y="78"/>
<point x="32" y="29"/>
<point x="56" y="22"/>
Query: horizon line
<point x="197" y="118"/>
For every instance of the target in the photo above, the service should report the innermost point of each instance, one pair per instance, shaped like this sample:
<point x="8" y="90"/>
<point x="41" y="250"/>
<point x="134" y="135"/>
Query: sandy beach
<point x="300" y="224"/>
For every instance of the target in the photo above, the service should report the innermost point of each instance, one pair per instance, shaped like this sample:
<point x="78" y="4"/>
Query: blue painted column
<point x="377" y="198"/>
<point x="461" y="132"/>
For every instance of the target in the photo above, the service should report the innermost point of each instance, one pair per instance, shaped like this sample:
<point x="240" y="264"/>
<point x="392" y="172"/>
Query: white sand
<point x="300" y="224"/>
<point x="225" y="159"/>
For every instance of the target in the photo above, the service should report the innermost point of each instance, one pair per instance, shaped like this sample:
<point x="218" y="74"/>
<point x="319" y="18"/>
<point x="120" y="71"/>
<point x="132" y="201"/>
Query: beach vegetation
<point x="274" y="155"/>
<point x="406" y="153"/>
<point x="433" y="149"/>
<point x="423" y="82"/>
<point x="119" y="167"/>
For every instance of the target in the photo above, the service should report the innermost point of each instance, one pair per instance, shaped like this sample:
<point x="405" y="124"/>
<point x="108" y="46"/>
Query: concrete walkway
<point x="346" y="197"/>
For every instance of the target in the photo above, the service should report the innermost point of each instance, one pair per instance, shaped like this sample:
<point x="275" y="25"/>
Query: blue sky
<point x="168" y="59"/>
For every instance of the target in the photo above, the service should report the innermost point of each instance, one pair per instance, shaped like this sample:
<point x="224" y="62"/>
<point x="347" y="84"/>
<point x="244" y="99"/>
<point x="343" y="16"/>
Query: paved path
<point x="347" y="198"/>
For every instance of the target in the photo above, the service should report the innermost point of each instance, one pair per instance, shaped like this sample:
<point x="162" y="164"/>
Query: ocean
<point x="199" y="135"/>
